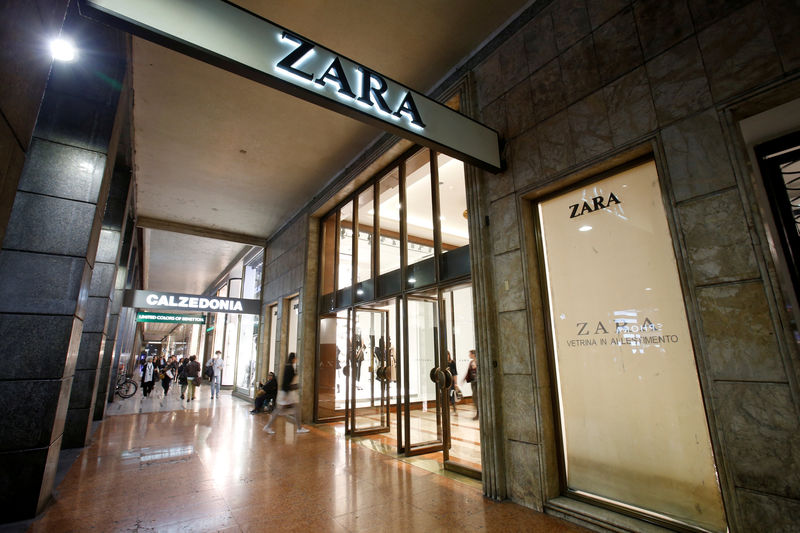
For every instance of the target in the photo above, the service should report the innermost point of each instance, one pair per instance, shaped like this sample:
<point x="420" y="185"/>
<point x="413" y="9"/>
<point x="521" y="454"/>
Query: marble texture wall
<point x="582" y="82"/>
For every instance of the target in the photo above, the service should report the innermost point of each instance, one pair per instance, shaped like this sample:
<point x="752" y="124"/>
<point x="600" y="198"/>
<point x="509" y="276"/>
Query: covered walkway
<point x="211" y="468"/>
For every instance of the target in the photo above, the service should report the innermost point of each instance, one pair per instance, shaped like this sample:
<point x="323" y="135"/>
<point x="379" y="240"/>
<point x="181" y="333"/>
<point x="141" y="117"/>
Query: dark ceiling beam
<point x="199" y="231"/>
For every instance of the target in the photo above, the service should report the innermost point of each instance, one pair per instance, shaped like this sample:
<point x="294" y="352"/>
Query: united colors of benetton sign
<point x="190" y="302"/>
<point x="171" y="318"/>
<point x="232" y="38"/>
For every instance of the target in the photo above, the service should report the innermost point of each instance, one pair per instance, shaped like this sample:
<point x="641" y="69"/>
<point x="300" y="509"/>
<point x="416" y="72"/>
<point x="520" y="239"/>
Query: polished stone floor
<point x="208" y="466"/>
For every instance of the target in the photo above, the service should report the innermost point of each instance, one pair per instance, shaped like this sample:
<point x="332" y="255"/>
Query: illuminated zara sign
<point x="190" y="302"/>
<point x="227" y="36"/>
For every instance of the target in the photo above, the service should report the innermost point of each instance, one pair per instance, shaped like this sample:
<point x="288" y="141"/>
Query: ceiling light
<point x="63" y="50"/>
<point x="584" y="228"/>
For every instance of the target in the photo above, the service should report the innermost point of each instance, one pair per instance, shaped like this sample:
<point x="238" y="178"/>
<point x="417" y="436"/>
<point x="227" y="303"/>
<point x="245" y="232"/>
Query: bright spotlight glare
<point x="63" y="50"/>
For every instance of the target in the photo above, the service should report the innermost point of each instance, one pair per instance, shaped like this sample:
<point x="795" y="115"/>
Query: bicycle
<point x="125" y="387"/>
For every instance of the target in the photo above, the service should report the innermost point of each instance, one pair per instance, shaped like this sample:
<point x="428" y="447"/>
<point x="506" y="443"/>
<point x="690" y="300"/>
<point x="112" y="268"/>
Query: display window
<point x="247" y="352"/>
<point x="630" y="408"/>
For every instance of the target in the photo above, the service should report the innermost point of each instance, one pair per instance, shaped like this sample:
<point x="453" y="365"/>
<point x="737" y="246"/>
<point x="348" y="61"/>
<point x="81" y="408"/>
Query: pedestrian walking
<point x="288" y="397"/>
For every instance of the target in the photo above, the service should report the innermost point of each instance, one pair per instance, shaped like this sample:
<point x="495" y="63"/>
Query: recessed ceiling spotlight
<point x="63" y="50"/>
<point x="242" y="151"/>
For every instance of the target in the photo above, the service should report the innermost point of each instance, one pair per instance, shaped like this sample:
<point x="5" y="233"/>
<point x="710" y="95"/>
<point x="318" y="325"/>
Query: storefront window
<point x="453" y="217"/>
<point x="366" y="224"/>
<point x="248" y="336"/>
<point x="231" y="333"/>
<point x="629" y="398"/>
<point x="332" y="357"/>
<point x="389" y="238"/>
<point x="419" y="221"/>
<point x="345" y="262"/>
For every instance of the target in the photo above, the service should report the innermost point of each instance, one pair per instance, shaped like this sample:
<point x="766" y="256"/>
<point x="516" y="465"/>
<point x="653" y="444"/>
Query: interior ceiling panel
<point x="219" y="151"/>
<point x="186" y="263"/>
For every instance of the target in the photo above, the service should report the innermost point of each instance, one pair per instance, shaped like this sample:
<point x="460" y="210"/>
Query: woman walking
<point x="288" y="398"/>
<point x="169" y="372"/>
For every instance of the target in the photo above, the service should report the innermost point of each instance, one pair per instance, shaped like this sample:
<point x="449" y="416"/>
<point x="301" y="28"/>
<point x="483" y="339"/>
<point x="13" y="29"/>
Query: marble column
<point x="47" y="258"/>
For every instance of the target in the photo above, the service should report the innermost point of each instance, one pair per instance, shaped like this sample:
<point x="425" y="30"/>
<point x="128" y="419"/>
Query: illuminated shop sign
<point x="241" y="42"/>
<point x="173" y="318"/>
<point x="190" y="302"/>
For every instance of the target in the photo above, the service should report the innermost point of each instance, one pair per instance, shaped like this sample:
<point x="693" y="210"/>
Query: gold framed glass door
<point x="422" y="378"/>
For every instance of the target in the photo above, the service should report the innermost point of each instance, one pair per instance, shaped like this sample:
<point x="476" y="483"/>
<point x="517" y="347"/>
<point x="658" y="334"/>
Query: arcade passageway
<point x="210" y="467"/>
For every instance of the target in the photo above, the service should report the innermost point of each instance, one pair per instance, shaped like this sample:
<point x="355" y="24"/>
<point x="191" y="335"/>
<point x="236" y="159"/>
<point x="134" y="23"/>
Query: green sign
<point x="171" y="317"/>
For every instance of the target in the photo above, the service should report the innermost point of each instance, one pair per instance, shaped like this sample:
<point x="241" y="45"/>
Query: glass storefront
<point x="395" y="299"/>
<point x="629" y="401"/>
<point x="247" y="353"/>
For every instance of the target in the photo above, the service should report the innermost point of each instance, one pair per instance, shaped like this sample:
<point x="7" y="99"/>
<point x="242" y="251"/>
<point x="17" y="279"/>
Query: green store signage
<point x="170" y="317"/>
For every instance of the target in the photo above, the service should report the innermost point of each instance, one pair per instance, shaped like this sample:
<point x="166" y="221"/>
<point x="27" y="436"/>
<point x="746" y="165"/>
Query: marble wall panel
<point x="43" y="359"/>
<point x="514" y="343"/>
<point x="63" y="171"/>
<point x="756" y="510"/>
<point x="547" y="91"/>
<point x="76" y="428"/>
<point x="579" y="71"/>
<point x="45" y="224"/>
<point x="738" y="52"/>
<point x="570" y="22"/>
<point x="489" y="80"/>
<point x="524" y="474"/>
<point x="514" y="60"/>
<point x="504" y="225"/>
<point x="617" y="47"/>
<point x="494" y="116"/>
<point x="525" y="162"/>
<point x="600" y="12"/>
<point x="761" y="432"/>
<point x="630" y="107"/>
<point x="717" y="239"/>
<point x="96" y="315"/>
<point x="36" y="283"/>
<point x="103" y="275"/>
<point x="783" y="18"/>
<point x="519" y="109"/>
<point x="509" y="282"/>
<point x="500" y="184"/>
<point x="540" y="40"/>
<point x="589" y="126"/>
<point x="108" y="246"/>
<point x="75" y="121"/>
<point x="704" y="12"/>
<point x="89" y="351"/>
<point x="82" y="391"/>
<point x="28" y="411"/>
<point x="661" y="24"/>
<point x="678" y="81"/>
<point x="738" y="334"/>
<point x="555" y="144"/>
<point x="697" y="156"/>
<point x="21" y="475"/>
<point x="519" y="408"/>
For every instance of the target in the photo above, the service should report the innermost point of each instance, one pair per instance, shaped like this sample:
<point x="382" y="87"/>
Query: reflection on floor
<point x="212" y="468"/>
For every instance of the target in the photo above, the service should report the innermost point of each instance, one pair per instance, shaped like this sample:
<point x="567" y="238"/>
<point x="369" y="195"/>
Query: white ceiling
<point x="217" y="151"/>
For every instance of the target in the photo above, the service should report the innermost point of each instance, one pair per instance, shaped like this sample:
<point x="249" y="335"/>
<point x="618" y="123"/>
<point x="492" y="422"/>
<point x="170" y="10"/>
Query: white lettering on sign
<point x="217" y="304"/>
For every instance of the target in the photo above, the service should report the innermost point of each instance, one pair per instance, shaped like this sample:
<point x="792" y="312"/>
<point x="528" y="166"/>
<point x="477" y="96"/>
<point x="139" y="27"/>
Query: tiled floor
<point x="210" y="467"/>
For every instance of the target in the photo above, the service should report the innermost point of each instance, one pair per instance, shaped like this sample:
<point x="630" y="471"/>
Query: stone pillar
<point x="47" y="257"/>
<point x="124" y="279"/>
<point x="81" y="411"/>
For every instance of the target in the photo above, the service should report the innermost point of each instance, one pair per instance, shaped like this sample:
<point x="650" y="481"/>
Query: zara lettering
<point x="598" y="202"/>
<point x="371" y="92"/>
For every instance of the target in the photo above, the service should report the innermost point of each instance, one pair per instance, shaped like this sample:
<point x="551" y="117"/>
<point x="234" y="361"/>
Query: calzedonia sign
<point x="241" y="42"/>
<point x="172" y="318"/>
<point x="190" y="302"/>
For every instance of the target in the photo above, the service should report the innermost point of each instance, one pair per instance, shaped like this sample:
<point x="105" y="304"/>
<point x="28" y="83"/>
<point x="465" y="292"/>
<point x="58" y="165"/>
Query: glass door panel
<point x="462" y="432"/>
<point x="370" y="385"/>
<point x="331" y="382"/>
<point x="422" y="369"/>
